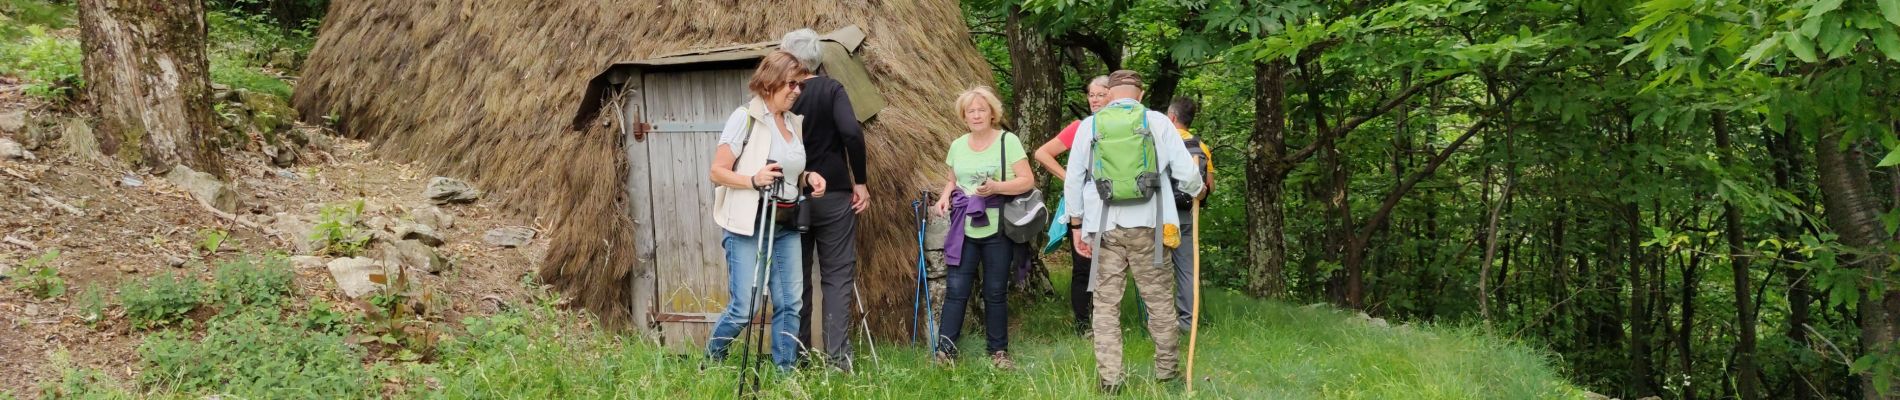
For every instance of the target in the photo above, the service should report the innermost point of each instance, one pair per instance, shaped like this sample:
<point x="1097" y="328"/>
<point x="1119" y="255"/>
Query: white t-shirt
<point x="790" y="154"/>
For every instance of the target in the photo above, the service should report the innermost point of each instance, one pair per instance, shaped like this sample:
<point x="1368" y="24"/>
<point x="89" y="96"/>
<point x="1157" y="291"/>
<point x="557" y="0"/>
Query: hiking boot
<point x="943" y="359"/>
<point x="1001" y="360"/>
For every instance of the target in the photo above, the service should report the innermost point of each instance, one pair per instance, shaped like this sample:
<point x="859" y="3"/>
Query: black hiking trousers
<point x="1081" y="301"/>
<point x="832" y="236"/>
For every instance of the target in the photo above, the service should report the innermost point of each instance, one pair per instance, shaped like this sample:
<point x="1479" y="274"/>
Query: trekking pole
<point x="1194" y="315"/>
<point x="767" y="231"/>
<point x="864" y="319"/>
<point x="918" y="294"/>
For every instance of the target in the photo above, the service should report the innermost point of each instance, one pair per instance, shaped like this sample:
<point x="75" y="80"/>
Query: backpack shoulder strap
<point x="744" y="143"/>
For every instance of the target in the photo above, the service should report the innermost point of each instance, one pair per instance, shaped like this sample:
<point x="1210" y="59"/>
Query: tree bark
<point x="1852" y="209"/>
<point x="149" y="82"/>
<point x="1746" y="385"/>
<point x="1036" y="76"/>
<point x="1266" y="223"/>
<point x="1640" y="371"/>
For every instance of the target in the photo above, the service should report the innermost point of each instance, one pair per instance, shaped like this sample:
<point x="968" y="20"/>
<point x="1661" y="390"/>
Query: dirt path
<point x="113" y="227"/>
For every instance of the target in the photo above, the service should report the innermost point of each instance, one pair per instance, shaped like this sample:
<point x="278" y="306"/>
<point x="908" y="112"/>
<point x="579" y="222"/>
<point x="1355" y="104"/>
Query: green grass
<point x="238" y="47"/>
<point x="1248" y="349"/>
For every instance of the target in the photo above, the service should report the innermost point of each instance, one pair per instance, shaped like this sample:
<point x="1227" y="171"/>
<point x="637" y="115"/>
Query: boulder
<point x="408" y="231"/>
<point x="268" y="112"/>
<point x="11" y="150"/>
<point x="39" y="136"/>
<point x="12" y="121"/>
<point x="358" y="276"/>
<point x="283" y="156"/>
<point x="320" y="141"/>
<point x="512" y="236"/>
<point x="205" y="187"/>
<point x="432" y="216"/>
<point x="414" y="255"/>
<point x="298" y="232"/>
<point x="306" y="262"/>
<point x="444" y="190"/>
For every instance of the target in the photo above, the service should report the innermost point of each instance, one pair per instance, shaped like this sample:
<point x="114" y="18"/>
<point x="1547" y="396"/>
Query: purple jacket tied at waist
<point x="963" y="205"/>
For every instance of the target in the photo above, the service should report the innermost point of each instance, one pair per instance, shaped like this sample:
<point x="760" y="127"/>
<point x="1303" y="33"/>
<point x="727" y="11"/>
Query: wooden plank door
<point x="686" y="110"/>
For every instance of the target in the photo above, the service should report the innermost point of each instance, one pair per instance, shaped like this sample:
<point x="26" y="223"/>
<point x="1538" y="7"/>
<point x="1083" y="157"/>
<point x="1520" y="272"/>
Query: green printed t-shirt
<point x="975" y="167"/>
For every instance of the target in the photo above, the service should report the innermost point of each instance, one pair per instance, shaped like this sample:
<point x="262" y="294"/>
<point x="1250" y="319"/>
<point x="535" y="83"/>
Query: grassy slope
<point x="1249" y="349"/>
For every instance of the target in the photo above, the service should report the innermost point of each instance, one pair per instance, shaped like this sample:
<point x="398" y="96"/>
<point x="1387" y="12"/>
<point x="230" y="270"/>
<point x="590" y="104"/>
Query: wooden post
<point x="1194" y="313"/>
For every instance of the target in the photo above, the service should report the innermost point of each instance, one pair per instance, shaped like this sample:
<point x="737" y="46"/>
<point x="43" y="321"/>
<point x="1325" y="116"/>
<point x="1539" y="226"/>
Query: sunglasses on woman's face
<point x="795" y="84"/>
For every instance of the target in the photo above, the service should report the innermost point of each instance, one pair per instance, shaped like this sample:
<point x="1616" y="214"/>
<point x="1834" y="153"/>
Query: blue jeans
<point x="992" y="255"/>
<point x="784" y="285"/>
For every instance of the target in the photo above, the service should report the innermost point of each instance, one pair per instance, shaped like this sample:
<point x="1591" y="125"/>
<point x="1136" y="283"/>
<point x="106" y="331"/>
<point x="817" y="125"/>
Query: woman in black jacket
<point x="834" y="144"/>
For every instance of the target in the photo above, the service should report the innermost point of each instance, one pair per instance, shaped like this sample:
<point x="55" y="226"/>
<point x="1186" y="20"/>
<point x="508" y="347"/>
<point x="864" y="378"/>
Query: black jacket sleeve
<point x="850" y="133"/>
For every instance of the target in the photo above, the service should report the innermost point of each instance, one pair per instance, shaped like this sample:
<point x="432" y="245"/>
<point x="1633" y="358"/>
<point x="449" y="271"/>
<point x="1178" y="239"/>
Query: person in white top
<point x="758" y="149"/>
<point x="1126" y="237"/>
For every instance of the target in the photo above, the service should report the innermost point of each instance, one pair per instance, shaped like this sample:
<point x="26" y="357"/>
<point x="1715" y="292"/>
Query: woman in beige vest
<point x="760" y="153"/>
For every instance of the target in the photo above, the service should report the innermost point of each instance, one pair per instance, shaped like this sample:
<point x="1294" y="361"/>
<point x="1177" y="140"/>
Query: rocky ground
<point x="114" y="227"/>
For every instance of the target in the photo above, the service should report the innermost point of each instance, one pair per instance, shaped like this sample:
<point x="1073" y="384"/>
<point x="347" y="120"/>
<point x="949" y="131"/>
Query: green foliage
<point x="92" y="305"/>
<point x="256" y="355"/>
<point x="50" y="65"/>
<point x="211" y="239"/>
<point x="336" y="229"/>
<point x="38" y="276"/>
<point x="254" y="39"/>
<point x="160" y="300"/>
<point x="78" y="383"/>
<point x="325" y="317"/>
<point x="237" y="75"/>
<point x="16" y="16"/>
<point x="261" y="282"/>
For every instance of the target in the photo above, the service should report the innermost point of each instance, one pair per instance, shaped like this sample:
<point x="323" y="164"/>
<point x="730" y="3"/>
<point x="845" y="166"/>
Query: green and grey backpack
<point x="1125" y="165"/>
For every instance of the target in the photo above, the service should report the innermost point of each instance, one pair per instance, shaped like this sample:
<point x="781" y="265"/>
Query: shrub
<point x="256" y="354"/>
<point x="16" y="15"/>
<point x="336" y="230"/>
<point x="211" y="239"/>
<point x="160" y="300"/>
<point x="252" y="281"/>
<point x="237" y="75"/>
<point x="50" y="65"/>
<point x="92" y="305"/>
<point x="40" y="278"/>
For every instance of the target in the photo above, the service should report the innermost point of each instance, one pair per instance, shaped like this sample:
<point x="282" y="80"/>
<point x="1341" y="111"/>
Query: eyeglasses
<point x="795" y="84"/>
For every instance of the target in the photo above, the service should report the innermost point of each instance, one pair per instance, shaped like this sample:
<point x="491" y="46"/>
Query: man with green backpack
<point x="1126" y="162"/>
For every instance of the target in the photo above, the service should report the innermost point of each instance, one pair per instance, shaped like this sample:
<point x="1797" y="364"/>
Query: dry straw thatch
<point x="485" y="89"/>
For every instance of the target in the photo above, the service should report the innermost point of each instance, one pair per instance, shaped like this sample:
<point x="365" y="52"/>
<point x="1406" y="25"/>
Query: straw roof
<point x="486" y="89"/>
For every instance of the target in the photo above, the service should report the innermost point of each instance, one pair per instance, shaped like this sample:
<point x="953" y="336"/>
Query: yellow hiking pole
<point x="1194" y="324"/>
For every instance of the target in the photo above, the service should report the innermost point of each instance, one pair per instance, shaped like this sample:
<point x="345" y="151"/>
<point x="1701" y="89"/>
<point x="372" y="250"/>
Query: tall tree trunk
<point x="149" y="82"/>
<point x="1640" y="370"/>
<point x="1788" y="156"/>
<point x="1746" y="385"/>
<point x="1266" y="223"/>
<point x="1685" y="334"/>
<point x="1853" y="210"/>
<point x="1036" y="76"/>
<point x="1166" y="78"/>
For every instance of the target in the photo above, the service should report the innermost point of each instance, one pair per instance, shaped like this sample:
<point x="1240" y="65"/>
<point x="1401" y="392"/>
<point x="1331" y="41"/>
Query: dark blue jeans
<point x="992" y="256"/>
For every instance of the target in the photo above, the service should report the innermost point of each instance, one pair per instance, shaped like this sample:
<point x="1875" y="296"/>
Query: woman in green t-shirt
<point x="971" y="199"/>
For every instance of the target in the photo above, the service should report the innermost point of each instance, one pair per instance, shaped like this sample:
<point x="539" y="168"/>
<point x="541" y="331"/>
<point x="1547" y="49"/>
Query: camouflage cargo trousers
<point x="1130" y="252"/>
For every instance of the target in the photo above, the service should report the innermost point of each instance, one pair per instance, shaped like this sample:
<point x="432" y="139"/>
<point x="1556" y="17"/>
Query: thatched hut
<point x="487" y="89"/>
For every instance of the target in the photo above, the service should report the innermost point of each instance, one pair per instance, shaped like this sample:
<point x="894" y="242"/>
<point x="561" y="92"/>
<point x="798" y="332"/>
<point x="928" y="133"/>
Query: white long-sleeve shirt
<point x="1082" y="200"/>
